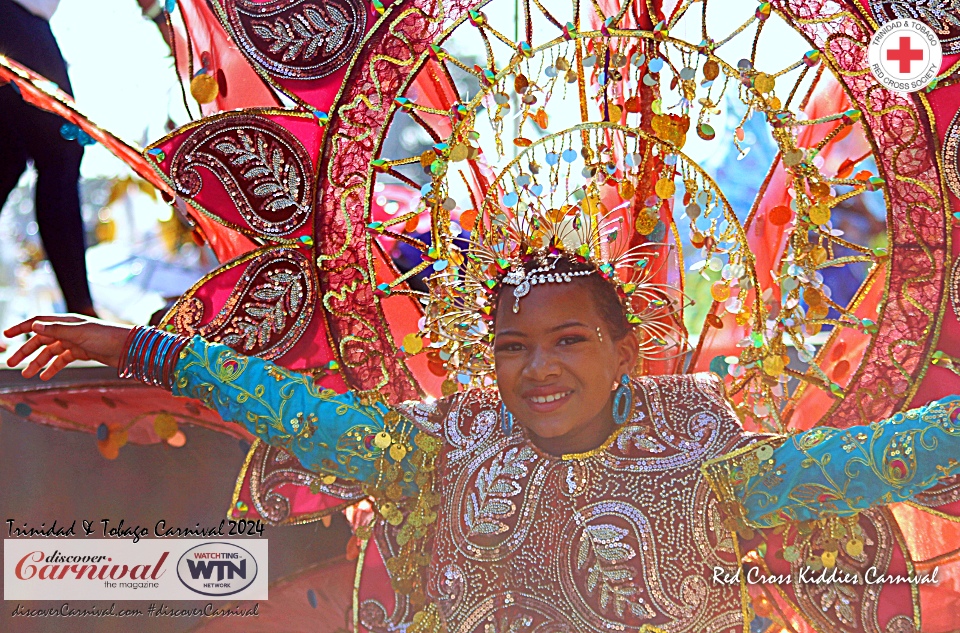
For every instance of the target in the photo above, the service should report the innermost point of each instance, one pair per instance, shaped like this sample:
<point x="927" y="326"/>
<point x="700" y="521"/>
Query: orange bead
<point x="720" y="291"/>
<point x="840" y="370"/>
<point x="541" y="118"/>
<point x="838" y="351"/>
<point x="813" y="297"/>
<point x="780" y="215"/>
<point x="820" y="189"/>
<point x="437" y="368"/>
<point x="468" y="218"/>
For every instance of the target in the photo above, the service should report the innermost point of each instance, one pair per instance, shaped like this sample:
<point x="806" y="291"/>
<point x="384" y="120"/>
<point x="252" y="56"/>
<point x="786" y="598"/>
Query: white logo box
<point x="152" y="569"/>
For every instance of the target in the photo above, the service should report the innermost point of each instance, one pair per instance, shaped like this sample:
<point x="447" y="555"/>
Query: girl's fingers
<point x="28" y="348"/>
<point x="56" y="328"/>
<point x="58" y="363"/>
<point x="44" y="357"/>
<point x="47" y="332"/>
<point x="20" y="328"/>
<point x="25" y="327"/>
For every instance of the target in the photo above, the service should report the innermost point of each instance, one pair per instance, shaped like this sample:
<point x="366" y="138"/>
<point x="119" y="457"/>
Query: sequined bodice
<point x="623" y="537"/>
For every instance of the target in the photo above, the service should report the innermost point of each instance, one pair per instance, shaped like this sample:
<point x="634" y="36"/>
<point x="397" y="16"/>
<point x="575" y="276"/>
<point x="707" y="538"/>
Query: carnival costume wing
<point x="321" y="198"/>
<point x="128" y="410"/>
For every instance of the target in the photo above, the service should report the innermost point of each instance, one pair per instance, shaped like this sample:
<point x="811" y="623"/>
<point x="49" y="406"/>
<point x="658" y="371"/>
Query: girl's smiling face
<point x="558" y="362"/>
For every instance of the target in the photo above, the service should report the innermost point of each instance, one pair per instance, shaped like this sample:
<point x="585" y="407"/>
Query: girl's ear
<point x="628" y="352"/>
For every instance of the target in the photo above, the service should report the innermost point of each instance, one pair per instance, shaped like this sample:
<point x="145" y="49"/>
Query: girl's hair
<point x="604" y="294"/>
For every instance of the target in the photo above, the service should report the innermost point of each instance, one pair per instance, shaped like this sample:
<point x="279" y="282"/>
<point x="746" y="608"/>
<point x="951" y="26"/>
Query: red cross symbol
<point x="905" y="54"/>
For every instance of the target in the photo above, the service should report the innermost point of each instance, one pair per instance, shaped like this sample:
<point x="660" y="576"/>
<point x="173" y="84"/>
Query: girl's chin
<point x="549" y="429"/>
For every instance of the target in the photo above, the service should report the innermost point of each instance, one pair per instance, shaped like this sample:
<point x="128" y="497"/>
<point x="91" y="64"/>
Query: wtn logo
<point x="217" y="569"/>
<point x="225" y="569"/>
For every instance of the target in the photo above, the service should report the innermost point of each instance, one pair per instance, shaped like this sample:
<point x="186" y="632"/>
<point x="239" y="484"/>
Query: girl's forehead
<point x="548" y="305"/>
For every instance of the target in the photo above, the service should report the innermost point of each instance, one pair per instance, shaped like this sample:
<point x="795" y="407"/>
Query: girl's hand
<point x="65" y="338"/>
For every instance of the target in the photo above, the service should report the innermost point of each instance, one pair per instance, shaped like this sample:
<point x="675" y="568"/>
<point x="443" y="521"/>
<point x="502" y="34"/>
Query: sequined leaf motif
<point x="840" y="597"/>
<point x="495" y="485"/>
<point x="297" y="39"/>
<point x="607" y="576"/>
<point x="822" y="497"/>
<point x="304" y="33"/>
<point x="265" y="169"/>
<point x="640" y="439"/>
<point x="281" y="295"/>
<point x="715" y="524"/>
<point x="269" y="174"/>
<point x="508" y="624"/>
<point x="269" y="307"/>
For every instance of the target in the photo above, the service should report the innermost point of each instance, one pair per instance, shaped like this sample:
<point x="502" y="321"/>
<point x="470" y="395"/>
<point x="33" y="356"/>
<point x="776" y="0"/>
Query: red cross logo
<point x="905" y="55"/>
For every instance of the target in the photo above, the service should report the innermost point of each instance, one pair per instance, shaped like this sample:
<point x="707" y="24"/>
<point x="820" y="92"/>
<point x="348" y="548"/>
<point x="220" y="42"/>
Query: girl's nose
<point x="542" y="364"/>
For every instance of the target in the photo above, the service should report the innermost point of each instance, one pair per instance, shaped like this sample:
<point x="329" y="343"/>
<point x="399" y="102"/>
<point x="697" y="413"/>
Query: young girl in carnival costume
<point x="572" y="496"/>
<point x="567" y="481"/>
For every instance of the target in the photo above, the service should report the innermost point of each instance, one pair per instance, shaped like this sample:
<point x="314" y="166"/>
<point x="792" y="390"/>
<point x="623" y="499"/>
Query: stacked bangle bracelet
<point x="150" y="356"/>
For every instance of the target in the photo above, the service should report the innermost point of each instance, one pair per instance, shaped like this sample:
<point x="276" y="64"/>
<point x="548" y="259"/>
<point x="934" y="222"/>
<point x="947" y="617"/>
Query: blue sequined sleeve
<point x="828" y="472"/>
<point x="330" y="433"/>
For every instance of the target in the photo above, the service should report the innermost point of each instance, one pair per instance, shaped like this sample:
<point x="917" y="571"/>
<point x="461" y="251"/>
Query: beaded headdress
<point x="576" y="147"/>
<point x="497" y="260"/>
<point x="573" y="195"/>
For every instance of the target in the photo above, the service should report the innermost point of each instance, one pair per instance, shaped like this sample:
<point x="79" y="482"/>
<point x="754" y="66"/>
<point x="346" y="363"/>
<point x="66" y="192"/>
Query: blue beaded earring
<point x="506" y="420"/>
<point x="622" y="401"/>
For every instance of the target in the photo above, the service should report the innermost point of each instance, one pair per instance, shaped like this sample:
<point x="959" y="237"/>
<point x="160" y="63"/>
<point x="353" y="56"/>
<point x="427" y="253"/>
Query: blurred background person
<point x="30" y="134"/>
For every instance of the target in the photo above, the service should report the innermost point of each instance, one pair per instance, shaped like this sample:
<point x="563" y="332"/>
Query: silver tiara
<point x="523" y="280"/>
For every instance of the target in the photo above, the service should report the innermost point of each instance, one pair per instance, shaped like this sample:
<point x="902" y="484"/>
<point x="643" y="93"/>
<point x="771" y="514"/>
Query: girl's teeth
<point x="546" y="399"/>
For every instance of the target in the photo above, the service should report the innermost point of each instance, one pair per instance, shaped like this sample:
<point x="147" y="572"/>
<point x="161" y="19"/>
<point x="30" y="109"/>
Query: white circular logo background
<point x="905" y="55"/>
<point x="217" y="569"/>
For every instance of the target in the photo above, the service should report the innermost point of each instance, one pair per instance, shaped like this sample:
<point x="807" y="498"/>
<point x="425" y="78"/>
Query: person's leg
<point x="28" y="39"/>
<point x="13" y="160"/>
<point x="60" y="222"/>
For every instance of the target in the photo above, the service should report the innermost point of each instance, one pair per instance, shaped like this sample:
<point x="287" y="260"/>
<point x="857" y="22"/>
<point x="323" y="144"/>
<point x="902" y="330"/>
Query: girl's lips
<point x="547" y="407"/>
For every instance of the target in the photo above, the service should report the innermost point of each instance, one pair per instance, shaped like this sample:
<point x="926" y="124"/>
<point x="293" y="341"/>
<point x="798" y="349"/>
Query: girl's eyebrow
<point x="567" y="324"/>
<point x="562" y="326"/>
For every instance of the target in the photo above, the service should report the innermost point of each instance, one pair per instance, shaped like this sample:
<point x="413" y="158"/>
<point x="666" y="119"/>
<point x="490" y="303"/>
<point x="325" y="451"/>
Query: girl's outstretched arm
<point x="829" y="472"/>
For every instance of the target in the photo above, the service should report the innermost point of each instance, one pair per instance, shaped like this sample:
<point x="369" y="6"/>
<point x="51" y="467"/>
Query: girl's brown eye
<point x="571" y="340"/>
